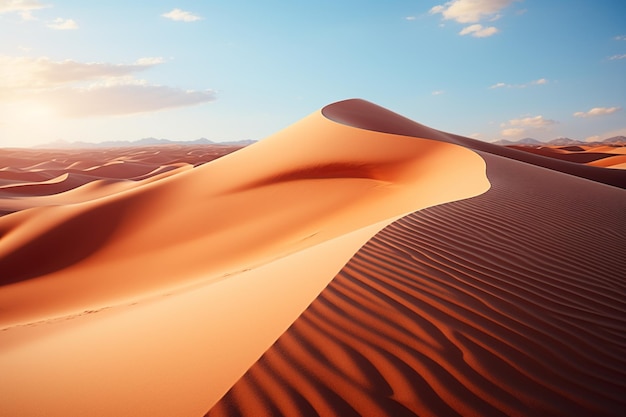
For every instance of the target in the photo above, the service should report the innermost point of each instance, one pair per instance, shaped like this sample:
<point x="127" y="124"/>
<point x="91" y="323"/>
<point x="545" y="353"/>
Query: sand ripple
<point x="510" y="303"/>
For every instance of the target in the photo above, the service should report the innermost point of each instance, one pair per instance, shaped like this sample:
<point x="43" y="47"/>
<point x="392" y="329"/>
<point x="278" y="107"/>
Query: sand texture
<point x="496" y="305"/>
<point x="155" y="299"/>
<point x="509" y="303"/>
<point x="354" y="263"/>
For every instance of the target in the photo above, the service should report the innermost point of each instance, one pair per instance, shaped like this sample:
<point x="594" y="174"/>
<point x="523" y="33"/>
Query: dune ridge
<point x="508" y="303"/>
<point x="366" y="115"/>
<point x="149" y="269"/>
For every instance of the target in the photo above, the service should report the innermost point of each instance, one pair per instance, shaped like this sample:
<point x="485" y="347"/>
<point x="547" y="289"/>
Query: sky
<point x="225" y="70"/>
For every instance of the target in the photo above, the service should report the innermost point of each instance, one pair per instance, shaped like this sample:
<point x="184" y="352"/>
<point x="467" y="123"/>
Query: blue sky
<point x="237" y="69"/>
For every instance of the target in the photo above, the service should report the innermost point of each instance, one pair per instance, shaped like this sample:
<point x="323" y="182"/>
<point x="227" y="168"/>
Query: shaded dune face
<point x="366" y="115"/>
<point x="509" y="303"/>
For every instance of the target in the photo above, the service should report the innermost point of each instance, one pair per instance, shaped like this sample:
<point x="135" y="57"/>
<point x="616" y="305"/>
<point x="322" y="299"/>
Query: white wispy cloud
<point x="132" y="97"/>
<point x="181" y="16"/>
<point x="614" y="57"/>
<point x="525" y="125"/>
<point x="78" y="89"/>
<point x="620" y="38"/>
<point x="532" y="121"/>
<point x="512" y="132"/>
<point x="63" y="24"/>
<point x="594" y="138"/>
<point x="473" y="11"/>
<point x="437" y="92"/>
<point x="478" y="31"/>
<point x="597" y="111"/>
<point x="540" y="81"/>
<point x="410" y="18"/>
<point x="23" y="7"/>
<point x="21" y="73"/>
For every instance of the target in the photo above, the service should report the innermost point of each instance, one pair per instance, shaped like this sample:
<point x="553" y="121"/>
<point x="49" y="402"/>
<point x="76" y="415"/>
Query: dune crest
<point x="148" y="266"/>
<point x="509" y="303"/>
<point x="356" y="113"/>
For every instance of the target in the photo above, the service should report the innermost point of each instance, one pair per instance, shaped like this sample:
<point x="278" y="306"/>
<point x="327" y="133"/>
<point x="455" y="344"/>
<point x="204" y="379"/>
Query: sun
<point x="26" y="122"/>
<point x="29" y="111"/>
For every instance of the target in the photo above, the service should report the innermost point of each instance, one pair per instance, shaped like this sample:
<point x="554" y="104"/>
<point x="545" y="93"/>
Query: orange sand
<point x="599" y="156"/>
<point x="153" y="299"/>
<point x="509" y="303"/>
<point x="356" y="263"/>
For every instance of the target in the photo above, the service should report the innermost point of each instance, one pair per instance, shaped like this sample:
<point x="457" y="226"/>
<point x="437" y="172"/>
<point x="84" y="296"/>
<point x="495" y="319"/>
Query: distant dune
<point x="34" y="178"/>
<point x="599" y="156"/>
<point x="355" y="263"/>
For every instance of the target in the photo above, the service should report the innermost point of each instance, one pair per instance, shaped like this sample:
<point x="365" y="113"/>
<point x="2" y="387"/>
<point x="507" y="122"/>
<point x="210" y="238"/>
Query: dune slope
<point x="155" y="299"/>
<point x="509" y="303"/>
<point x="366" y="115"/>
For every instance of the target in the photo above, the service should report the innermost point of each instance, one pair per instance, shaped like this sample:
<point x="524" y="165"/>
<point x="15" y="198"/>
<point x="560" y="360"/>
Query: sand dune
<point x="615" y="162"/>
<point x="496" y="305"/>
<point x="356" y="263"/>
<point x="509" y="303"/>
<point x="598" y="156"/>
<point x="124" y="283"/>
<point x="35" y="178"/>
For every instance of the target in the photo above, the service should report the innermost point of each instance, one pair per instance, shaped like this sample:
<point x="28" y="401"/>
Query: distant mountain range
<point x="615" y="140"/>
<point x="61" y="144"/>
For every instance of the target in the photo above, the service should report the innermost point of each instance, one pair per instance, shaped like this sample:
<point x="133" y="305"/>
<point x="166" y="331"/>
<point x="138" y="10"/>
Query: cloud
<point x="473" y="11"/>
<point x="23" y="7"/>
<point x="512" y="132"/>
<point x="532" y="122"/>
<point x="437" y="93"/>
<point x="119" y="99"/>
<point x="78" y="89"/>
<point x="410" y="18"/>
<point x="478" y="31"/>
<point x="540" y="81"/>
<point x="519" y="127"/>
<point x="470" y="11"/>
<point x="597" y="111"/>
<point x="620" y="38"/>
<point x="35" y="73"/>
<point x="614" y="57"/>
<point x="181" y="16"/>
<point x="63" y="24"/>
